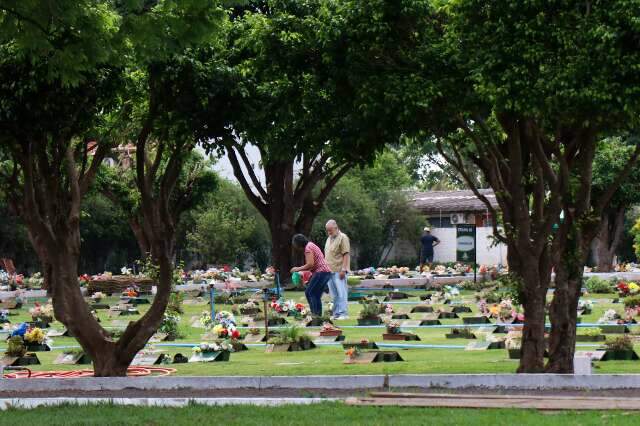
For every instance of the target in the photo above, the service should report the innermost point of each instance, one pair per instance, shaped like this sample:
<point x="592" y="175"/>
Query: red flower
<point x="235" y="334"/>
<point x="223" y="332"/>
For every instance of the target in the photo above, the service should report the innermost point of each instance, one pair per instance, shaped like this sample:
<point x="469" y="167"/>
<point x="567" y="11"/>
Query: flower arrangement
<point x="621" y="343"/>
<point x="288" y="306"/>
<point x="329" y="329"/>
<point x="16" y="347"/>
<point x="352" y="352"/>
<point x="84" y="279"/>
<point x="609" y="316"/>
<point x="388" y="309"/>
<point x="34" y="336"/>
<point x="451" y="291"/>
<point x="590" y="331"/>
<point x="393" y="327"/>
<point x="627" y="289"/>
<point x="370" y="310"/>
<point x="42" y="313"/>
<point x="125" y="271"/>
<point x="97" y="296"/>
<point x="586" y="306"/>
<point x="130" y="292"/>
<point x="169" y="325"/>
<point x="205" y="319"/>
<point x="224" y="325"/>
<point x="212" y="347"/>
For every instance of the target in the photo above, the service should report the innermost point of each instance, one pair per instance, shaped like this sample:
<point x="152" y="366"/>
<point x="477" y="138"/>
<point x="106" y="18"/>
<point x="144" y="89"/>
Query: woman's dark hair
<point x="299" y="241"/>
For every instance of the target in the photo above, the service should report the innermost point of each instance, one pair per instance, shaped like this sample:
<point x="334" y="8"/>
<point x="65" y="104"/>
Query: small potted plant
<point x="97" y="296"/>
<point x="42" y="315"/>
<point x="395" y="333"/>
<point x="34" y="340"/>
<point x="619" y="348"/>
<point x="590" y="334"/>
<point x="208" y="352"/>
<point x="369" y="315"/>
<point x="514" y="345"/>
<point x="329" y="329"/>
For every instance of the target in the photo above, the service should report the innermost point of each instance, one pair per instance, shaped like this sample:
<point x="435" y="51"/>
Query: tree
<point x="66" y="74"/>
<point x="288" y="112"/>
<point x="227" y="228"/>
<point x="485" y="82"/>
<point x="195" y="181"/>
<point x="612" y="155"/>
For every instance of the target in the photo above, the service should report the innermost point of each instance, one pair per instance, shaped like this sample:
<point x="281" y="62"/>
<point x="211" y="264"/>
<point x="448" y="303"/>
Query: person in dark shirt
<point x="428" y="242"/>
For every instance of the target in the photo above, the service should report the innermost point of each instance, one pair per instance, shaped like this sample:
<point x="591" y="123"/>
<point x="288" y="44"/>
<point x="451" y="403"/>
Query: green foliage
<point x="620" y="343"/>
<point x="227" y="228"/>
<point x="589" y="331"/>
<point x="176" y="300"/>
<point x="598" y="285"/>
<point x="370" y="309"/>
<point x="632" y="301"/>
<point x="16" y="347"/>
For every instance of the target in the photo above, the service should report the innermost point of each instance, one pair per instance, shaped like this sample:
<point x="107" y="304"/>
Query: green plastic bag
<point x="296" y="278"/>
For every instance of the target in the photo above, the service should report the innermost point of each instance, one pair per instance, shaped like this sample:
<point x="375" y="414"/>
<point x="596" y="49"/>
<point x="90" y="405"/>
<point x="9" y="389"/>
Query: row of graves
<point x="267" y="320"/>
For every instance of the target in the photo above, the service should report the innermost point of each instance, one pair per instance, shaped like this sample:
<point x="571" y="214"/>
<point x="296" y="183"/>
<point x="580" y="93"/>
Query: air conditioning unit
<point x="457" y="218"/>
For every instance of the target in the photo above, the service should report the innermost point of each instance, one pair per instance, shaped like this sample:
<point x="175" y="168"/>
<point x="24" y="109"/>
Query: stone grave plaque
<point x="100" y="306"/>
<point x="400" y="316"/>
<point x="7" y="360"/>
<point x="278" y="348"/>
<point x="114" y="314"/>
<point x="478" y="346"/>
<point x="447" y="315"/>
<point x="255" y="338"/>
<point x="410" y="323"/>
<point x="484" y="330"/>
<point x="476" y="320"/>
<point x="327" y="339"/>
<point x="158" y="337"/>
<point x="461" y="309"/>
<point x="593" y="355"/>
<point x="422" y="308"/>
<point x="150" y="357"/>
<point x="56" y="333"/>
<point x="210" y="356"/>
<point x="11" y="304"/>
<point x="194" y="302"/>
<point x="614" y="328"/>
<point x="362" y="358"/>
<point x="72" y="358"/>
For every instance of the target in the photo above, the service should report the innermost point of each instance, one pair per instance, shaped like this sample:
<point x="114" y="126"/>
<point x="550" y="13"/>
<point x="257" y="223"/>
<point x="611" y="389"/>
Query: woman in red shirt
<point x="321" y="273"/>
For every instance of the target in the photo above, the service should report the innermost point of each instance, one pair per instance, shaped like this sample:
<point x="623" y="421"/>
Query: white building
<point x="443" y="211"/>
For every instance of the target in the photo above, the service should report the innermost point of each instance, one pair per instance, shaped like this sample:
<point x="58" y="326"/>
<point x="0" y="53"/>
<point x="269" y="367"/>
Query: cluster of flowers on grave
<point x="585" y="305"/>
<point x="42" y="312"/>
<point x="505" y="311"/>
<point x="327" y="327"/>
<point x="97" y="296"/>
<point x="627" y="289"/>
<point x="212" y="347"/>
<point x="84" y="279"/>
<point x="35" y="335"/>
<point x="224" y="325"/>
<point x="393" y="327"/>
<point x="288" y="307"/>
<point x="610" y="315"/>
<point x="130" y="292"/>
<point x="451" y="291"/>
<point x="352" y="352"/>
<point x="169" y="324"/>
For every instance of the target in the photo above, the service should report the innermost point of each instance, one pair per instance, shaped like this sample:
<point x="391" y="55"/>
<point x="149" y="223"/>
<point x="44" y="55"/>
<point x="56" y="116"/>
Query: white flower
<point x="125" y="271"/>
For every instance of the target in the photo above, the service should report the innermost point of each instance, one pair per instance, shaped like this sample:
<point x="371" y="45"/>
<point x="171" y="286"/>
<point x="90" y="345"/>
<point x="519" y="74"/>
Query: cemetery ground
<point x="432" y="354"/>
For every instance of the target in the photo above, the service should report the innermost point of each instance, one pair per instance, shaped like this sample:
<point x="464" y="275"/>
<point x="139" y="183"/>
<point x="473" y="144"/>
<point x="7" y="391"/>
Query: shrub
<point x="598" y="285"/>
<point x="590" y="331"/>
<point x="370" y="310"/>
<point x="621" y="343"/>
<point x="16" y="347"/>
<point x="175" y="303"/>
<point x="632" y="301"/>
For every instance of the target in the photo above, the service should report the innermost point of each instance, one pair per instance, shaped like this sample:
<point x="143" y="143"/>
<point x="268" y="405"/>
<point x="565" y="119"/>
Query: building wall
<point x="486" y="253"/>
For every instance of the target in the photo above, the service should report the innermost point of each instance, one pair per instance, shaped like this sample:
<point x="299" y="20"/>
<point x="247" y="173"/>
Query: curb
<point x="28" y="403"/>
<point x="448" y="381"/>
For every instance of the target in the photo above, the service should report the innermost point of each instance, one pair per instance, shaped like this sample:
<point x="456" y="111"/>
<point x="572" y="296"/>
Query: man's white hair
<point x="331" y="222"/>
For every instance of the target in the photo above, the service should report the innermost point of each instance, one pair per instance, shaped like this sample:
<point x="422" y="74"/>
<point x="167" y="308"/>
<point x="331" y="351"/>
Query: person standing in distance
<point x="337" y="252"/>
<point x="428" y="242"/>
<point x="315" y="263"/>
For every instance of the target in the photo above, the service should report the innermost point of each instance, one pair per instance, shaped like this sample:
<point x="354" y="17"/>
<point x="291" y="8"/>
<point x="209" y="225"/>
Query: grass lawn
<point x="317" y="414"/>
<point x="328" y="359"/>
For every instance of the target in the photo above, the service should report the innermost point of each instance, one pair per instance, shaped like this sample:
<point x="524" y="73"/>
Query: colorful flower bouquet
<point x="43" y="313"/>
<point x="585" y="306"/>
<point x="329" y="329"/>
<point x="627" y="289"/>
<point x="353" y="352"/>
<point x="225" y="326"/>
<point x="34" y="336"/>
<point x="393" y="327"/>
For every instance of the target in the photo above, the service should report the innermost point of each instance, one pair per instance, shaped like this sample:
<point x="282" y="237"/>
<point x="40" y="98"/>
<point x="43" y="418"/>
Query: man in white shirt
<point x="337" y="254"/>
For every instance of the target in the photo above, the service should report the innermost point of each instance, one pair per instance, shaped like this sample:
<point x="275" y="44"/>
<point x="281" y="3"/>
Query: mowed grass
<point x="316" y="414"/>
<point x="328" y="359"/>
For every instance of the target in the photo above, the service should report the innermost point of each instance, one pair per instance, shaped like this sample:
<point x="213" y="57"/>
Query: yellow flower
<point x="634" y="288"/>
<point x="494" y="310"/>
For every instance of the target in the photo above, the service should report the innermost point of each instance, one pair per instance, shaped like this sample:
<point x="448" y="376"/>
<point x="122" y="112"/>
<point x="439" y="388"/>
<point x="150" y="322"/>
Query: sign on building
<point x="466" y="243"/>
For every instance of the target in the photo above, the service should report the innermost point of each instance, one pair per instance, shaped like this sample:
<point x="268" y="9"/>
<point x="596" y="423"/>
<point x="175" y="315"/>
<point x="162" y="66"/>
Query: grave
<point x="422" y="309"/>
<point x="373" y="356"/>
<point x="476" y="320"/>
<point x="73" y="358"/>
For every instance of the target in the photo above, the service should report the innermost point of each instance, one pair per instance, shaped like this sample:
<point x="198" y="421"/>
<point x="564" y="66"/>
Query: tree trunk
<point x="533" y="342"/>
<point x="282" y="231"/>
<point x="608" y="239"/>
<point x="563" y="314"/>
<point x="141" y="238"/>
